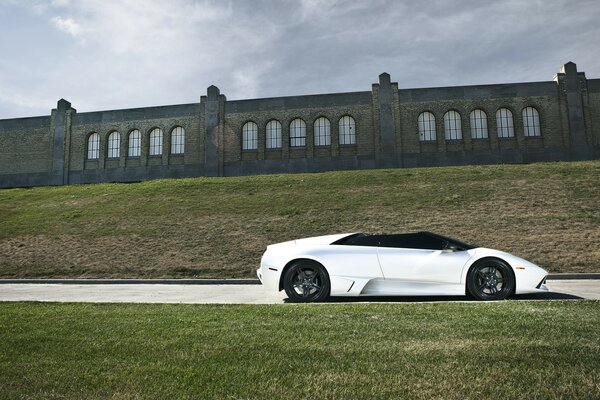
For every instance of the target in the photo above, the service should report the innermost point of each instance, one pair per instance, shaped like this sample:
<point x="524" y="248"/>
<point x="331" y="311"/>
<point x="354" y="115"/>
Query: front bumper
<point x="269" y="277"/>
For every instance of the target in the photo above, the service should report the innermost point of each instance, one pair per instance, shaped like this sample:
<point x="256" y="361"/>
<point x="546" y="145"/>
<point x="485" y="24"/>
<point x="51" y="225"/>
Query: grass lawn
<point x="548" y="213"/>
<point x="504" y="350"/>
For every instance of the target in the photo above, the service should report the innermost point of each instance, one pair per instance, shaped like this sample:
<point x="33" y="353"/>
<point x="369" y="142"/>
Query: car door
<point x="416" y="264"/>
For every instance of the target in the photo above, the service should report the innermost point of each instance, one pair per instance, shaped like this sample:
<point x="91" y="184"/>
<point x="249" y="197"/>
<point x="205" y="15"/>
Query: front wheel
<point x="490" y="279"/>
<point x="306" y="281"/>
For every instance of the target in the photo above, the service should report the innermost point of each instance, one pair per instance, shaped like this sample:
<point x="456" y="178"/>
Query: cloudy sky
<point x="105" y="54"/>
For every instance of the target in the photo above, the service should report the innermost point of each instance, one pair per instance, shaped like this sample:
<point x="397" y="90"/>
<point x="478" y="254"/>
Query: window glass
<point x="322" y="132"/>
<point x="250" y="136"/>
<point x="93" y="152"/>
<point x="135" y="143"/>
<point x="347" y="128"/>
<point x="479" y="128"/>
<point x="273" y="134"/>
<point x="427" y="131"/>
<point x="297" y="133"/>
<point x="177" y="140"/>
<point x="114" y="145"/>
<point x="504" y="122"/>
<point x="412" y="241"/>
<point x="452" y="125"/>
<point x="531" y="122"/>
<point x="156" y="142"/>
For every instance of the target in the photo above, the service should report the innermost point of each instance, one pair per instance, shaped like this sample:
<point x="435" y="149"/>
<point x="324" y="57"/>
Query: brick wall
<point x="386" y="117"/>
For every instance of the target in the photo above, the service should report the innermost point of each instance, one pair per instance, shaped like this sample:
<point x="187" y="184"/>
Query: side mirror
<point x="450" y="249"/>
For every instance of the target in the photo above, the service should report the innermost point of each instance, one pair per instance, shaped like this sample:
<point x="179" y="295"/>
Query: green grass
<point x="503" y="350"/>
<point x="219" y="227"/>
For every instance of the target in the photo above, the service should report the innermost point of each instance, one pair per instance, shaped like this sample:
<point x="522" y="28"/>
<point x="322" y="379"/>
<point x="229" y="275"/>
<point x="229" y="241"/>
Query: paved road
<point x="233" y="294"/>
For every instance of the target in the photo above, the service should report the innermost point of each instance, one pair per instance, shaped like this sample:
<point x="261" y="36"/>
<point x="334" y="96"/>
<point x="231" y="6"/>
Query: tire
<point x="306" y="282"/>
<point x="490" y="279"/>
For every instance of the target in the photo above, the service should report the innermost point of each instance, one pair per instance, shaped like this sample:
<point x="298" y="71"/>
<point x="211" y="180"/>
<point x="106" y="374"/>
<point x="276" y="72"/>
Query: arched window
<point x="531" y="122"/>
<point x="156" y="142"/>
<point x="427" y="130"/>
<point x="347" y="128"/>
<point x="135" y="144"/>
<point x="250" y="136"/>
<point x="452" y="125"/>
<point x="479" y="128"/>
<point x="177" y="140"/>
<point x="273" y="134"/>
<point x="322" y="131"/>
<point x="504" y="121"/>
<point x="93" y="147"/>
<point x="297" y="133"/>
<point x="114" y="145"/>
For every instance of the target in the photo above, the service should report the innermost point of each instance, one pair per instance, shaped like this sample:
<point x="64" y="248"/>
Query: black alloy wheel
<point x="490" y="279"/>
<point x="306" y="281"/>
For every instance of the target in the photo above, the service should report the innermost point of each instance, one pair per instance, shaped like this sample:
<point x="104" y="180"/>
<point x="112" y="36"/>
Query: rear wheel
<point x="490" y="279"/>
<point x="306" y="281"/>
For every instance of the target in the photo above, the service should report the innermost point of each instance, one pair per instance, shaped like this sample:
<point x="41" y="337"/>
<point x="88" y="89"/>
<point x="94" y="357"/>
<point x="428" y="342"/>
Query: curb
<point x="245" y="281"/>
<point x="136" y="281"/>
<point x="567" y="276"/>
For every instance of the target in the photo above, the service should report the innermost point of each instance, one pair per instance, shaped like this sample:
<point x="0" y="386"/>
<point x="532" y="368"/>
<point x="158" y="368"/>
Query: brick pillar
<point x="61" y="142"/>
<point x="213" y="124"/>
<point x="387" y="135"/>
<point x="580" y="148"/>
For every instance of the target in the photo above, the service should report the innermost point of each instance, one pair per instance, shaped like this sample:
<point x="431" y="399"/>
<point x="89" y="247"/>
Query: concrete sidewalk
<point x="140" y="293"/>
<point x="234" y="294"/>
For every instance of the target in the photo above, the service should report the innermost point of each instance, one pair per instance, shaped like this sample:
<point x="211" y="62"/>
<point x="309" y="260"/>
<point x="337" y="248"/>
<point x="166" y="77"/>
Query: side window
<point x="427" y="132"/>
<point x="479" y="128"/>
<point x="297" y="133"/>
<point x="531" y="122"/>
<point x="178" y="140"/>
<point x="273" y="134"/>
<point x="347" y="127"/>
<point x="412" y="241"/>
<point x="504" y="123"/>
<point x="322" y="132"/>
<point x="114" y="145"/>
<point x="135" y="143"/>
<point x="93" y="148"/>
<point x="156" y="142"/>
<point x="452" y="125"/>
<point x="250" y="136"/>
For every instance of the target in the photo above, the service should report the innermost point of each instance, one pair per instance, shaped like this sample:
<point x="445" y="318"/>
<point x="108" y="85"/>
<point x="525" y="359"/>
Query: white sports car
<point x="409" y="264"/>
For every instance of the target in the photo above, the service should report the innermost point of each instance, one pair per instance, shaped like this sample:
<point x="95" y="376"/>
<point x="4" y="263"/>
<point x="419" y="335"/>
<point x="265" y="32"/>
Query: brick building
<point x="385" y="127"/>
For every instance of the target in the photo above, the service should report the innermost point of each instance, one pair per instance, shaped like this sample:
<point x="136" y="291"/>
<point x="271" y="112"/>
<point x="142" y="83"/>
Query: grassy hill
<point x="218" y="227"/>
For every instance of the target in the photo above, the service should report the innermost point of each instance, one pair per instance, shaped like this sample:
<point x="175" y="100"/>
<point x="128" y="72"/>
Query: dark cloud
<point x="102" y="55"/>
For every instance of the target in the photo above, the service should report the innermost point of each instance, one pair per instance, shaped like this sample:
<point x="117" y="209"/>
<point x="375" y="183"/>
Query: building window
<point x="135" y="144"/>
<point x="531" y="122"/>
<point x="250" y="136"/>
<point x="479" y="128"/>
<point x="297" y="133"/>
<point x="504" y="121"/>
<point x="427" y="130"/>
<point x="322" y="132"/>
<point x="156" y="142"/>
<point x="93" y="148"/>
<point x="177" y="140"/>
<point x="452" y="125"/>
<point x="347" y="128"/>
<point x="114" y="145"/>
<point x="273" y="134"/>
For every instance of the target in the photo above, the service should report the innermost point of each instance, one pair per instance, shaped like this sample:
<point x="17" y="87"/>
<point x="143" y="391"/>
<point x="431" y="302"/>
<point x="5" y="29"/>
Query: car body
<point x="409" y="264"/>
